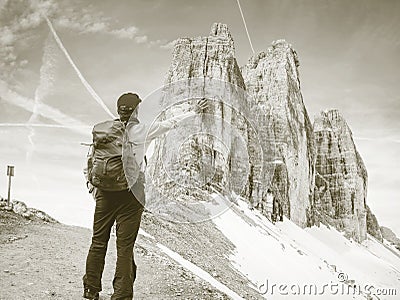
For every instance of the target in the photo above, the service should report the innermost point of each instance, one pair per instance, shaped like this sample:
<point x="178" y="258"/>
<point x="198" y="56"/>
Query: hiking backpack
<point x="109" y="153"/>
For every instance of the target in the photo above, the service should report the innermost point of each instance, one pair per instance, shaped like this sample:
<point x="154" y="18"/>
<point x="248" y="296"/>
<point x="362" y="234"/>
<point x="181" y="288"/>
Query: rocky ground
<point x="45" y="260"/>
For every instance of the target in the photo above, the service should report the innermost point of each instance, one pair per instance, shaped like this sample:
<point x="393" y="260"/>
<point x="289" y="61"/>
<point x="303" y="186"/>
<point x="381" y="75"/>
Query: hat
<point x="128" y="100"/>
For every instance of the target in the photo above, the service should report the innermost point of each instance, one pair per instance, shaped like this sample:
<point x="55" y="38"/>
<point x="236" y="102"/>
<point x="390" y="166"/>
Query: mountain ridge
<point x="312" y="168"/>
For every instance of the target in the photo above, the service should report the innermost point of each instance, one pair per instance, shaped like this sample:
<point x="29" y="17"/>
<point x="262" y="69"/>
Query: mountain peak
<point x="332" y="119"/>
<point x="221" y="30"/>
<point x="281" y="43"/>
<point x="341" y="181"/>
<point x="279" y="51"/>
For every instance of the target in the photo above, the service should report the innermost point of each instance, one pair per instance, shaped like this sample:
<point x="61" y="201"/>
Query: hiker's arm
<point x="89" y="186"/>
<point x="138" y="134"/>
<point x="159" y="128"/>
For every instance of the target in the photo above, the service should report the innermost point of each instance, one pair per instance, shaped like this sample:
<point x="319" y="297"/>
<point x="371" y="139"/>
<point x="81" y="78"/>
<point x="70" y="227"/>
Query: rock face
<point x="390" y="236"/>
<point x="373" y="227"/>
<point x="285" y="131"/>
<point x="340" y="176"/>
<point x="204" y="150"/>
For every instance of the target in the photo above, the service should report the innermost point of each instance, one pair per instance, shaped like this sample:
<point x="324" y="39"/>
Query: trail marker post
<point x="10" y="173"/>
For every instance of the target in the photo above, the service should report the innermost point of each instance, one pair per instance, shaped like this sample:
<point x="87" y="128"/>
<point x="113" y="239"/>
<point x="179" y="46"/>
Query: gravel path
<point x="42" y="260"/>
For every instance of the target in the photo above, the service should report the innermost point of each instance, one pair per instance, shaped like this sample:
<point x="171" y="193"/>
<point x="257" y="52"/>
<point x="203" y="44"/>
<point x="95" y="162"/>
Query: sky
<point x="348" y="51"/>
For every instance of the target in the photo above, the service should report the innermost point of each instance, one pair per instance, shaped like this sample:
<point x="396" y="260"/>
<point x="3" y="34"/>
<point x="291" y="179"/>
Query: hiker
<point x="269" y="204"/>
<point x="280" y="212"/>
<point x="277" y="211"/>
<point x="119" y="198"/>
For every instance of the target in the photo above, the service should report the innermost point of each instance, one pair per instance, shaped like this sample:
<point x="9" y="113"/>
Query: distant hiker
<point x="274" y="210"/>
<point x="119" y="194"/>
<point x="269" y="204"/>
<point x="277" y="210"/>
<point x="280" y="212"/>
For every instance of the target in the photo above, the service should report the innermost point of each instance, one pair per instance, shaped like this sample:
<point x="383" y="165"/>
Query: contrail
<point x="245" y="26"/>
<point x="45" y="84"/>
<point x="42" y="109"/>
<point x="83" y="80"/>
<point x="44" y="125"/>
<point x="390" y="140"/>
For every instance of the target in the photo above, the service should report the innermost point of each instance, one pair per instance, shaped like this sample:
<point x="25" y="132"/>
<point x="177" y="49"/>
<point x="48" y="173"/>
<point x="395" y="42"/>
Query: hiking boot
<point x="90" y="294"/>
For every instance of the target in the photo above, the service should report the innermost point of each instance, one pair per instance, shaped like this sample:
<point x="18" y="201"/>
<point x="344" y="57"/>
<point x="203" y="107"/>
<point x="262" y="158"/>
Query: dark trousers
<point x="122" y="207"/>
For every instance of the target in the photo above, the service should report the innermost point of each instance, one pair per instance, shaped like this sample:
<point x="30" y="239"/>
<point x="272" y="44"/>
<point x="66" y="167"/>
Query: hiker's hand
<point x="89" y="186"/>
<point x="201" y="105"/>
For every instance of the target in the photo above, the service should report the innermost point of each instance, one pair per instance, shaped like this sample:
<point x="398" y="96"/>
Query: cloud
<point x="162" y="44"/>
<point x="125" y="33"/>
<point x="92" y="23"/>
<point x="141" y="39"/>
<point x="7" y="37"/>
<point x="2" y="4"/>
<point x="168" y="45"/>
<point x="19" y="19"/>
<point x="86" y="21"/>
<point x="25" y="15"/>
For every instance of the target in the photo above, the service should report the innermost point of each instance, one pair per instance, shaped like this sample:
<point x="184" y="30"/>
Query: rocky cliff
<point x="206" y="149"/>
<point x="373" y="227"/>
<point x="285" y="131"/>
<point x="340" y="176"/>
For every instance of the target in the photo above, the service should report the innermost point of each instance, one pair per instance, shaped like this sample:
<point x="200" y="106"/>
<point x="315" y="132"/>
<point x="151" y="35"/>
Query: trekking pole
<point x="10" y="173"/>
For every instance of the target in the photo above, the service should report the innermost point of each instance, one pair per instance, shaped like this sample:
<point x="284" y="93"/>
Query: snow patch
<point x="285" y="254"/>
<point x="144" y="233"/>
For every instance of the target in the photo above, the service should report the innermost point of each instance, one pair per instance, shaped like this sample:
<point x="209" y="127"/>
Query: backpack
<point x="109" y="153"/>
